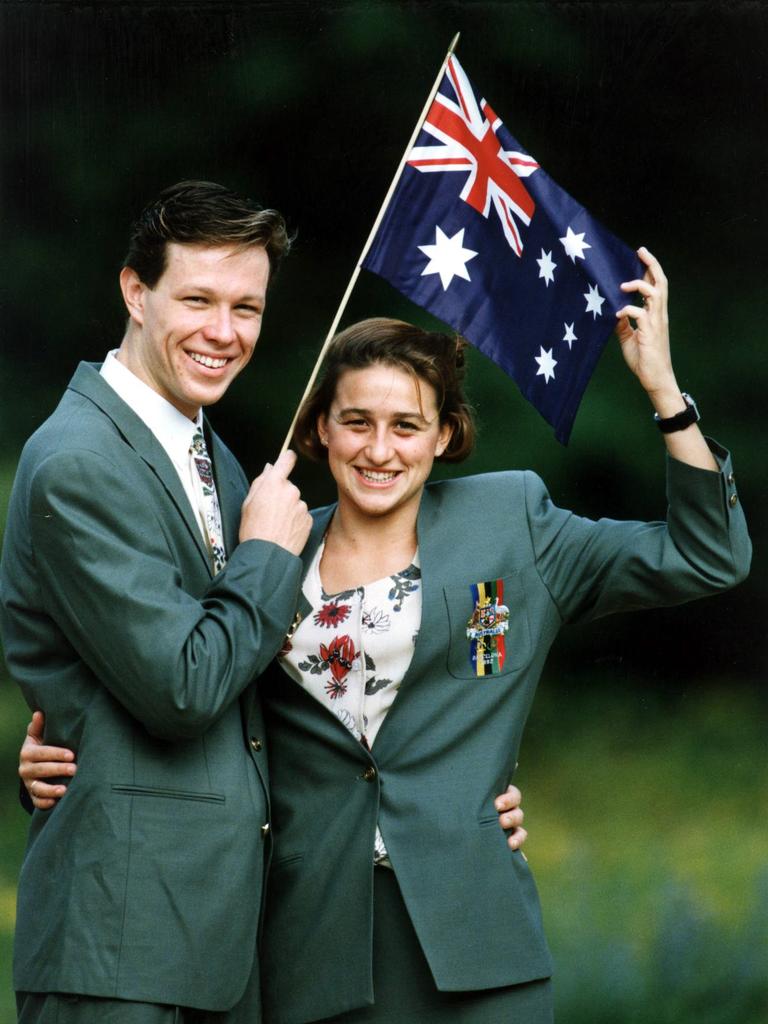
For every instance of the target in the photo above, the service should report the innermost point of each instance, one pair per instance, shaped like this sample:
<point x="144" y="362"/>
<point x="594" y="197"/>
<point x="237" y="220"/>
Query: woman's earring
<point x="324" y="442"/>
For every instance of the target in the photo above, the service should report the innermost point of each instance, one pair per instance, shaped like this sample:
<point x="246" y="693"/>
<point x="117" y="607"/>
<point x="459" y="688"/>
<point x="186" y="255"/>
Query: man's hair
<point x="429" y="356"/>
<point x="202" y="213"/>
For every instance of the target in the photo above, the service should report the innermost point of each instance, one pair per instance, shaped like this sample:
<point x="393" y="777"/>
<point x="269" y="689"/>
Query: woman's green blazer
<point x="450" y="741"/>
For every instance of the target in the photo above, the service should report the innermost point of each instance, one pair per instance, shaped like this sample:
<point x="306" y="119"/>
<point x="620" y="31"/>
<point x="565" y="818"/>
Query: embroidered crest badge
<point x="486" y="627"/>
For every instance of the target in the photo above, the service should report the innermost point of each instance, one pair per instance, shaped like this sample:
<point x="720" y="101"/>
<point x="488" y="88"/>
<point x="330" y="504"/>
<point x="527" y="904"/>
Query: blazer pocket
<point x="169" y="794"/>
<point x="506" y="649"/>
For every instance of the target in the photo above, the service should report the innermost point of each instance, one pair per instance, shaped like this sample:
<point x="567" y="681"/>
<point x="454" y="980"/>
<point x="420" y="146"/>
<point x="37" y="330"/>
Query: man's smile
<point x="209" y="361"/>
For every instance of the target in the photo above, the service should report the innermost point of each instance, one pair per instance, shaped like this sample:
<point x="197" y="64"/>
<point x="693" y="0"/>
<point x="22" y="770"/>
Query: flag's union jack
<point x="467" y="133"/>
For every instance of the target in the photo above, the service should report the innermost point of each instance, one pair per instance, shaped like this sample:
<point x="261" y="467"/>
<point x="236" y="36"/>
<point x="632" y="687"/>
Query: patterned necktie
<point x="207" y="501"/>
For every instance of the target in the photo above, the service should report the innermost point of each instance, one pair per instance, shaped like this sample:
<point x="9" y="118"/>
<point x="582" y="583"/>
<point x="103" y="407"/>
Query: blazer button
<point x="731" y="479"/>
<point x="265" y="830"/>
<point x="733" y="500"/>
<point x="256" y="744"/>
<point x="369" y="774"/>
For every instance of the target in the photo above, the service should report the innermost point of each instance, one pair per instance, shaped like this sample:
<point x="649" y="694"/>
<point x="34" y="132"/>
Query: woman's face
<point x="382" y="433"/>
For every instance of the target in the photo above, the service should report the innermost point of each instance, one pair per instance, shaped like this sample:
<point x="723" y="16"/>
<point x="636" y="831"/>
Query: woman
<point x="426" y="616"/>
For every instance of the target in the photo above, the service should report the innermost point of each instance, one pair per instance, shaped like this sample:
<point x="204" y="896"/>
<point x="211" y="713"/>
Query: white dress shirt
<point x="171" y="428"/>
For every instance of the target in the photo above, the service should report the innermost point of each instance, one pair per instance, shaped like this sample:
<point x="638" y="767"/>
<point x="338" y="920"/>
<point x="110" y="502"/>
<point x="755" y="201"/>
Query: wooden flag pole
<point x="366" y="247"/>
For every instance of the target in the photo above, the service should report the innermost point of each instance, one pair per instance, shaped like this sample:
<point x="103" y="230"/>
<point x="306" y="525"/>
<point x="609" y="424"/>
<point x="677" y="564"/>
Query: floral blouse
<point x="353" y="652"/>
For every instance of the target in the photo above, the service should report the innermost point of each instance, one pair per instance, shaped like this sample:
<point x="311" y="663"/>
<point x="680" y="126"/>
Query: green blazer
<point x="450" y="742"/>
<point x="144" y="882"/>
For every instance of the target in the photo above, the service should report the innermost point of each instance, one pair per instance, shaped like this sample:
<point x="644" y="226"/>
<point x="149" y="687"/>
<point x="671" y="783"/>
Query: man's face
<point x="196" y="329"/>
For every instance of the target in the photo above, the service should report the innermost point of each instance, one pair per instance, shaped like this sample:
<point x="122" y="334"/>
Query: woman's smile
<point x="377" y="477"/>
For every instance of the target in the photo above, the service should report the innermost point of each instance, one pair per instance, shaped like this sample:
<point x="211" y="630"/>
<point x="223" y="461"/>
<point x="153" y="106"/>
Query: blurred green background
<point x="644" y="761"/>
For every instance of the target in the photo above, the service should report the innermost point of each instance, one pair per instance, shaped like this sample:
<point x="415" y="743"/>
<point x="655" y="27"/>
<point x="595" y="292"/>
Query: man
<point x="141" y="892"/>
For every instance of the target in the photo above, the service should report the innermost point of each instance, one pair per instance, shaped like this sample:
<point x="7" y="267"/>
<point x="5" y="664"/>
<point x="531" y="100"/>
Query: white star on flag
<point x="574" y="245"/>
<point x="546" y="267"/>
<point x="594" y="302"/>
<point x="569" y="336"/>
<point x="546" y="364"/>
<point x="447" y="257"/>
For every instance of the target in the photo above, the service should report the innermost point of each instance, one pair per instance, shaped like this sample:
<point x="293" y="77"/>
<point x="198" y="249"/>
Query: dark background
<point x="653" y="115"/>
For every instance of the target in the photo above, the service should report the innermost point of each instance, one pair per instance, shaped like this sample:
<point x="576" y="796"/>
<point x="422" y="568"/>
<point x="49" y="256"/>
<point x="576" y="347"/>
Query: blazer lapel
<point x="338" y="731"/>
<point x="229" y="489"/>
<point x="432" y="631"/>
<point x="89" y="383"/>
<point x="321" y="518"/>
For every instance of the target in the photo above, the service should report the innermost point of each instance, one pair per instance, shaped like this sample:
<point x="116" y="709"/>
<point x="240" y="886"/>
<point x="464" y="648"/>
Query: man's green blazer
<point x="450" y="741"/>
<point x="144" y="882"/>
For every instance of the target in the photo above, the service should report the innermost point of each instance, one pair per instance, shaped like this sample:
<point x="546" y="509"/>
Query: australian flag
<point x="481" y="237"/>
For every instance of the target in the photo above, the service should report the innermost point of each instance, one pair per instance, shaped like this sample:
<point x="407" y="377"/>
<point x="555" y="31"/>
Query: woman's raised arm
<point x="646" y="350"/>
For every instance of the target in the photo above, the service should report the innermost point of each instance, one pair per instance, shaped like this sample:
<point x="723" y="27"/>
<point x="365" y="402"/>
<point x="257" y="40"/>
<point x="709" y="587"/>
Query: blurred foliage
<point x="651" y="114"/>
<point x="648" y="842"/>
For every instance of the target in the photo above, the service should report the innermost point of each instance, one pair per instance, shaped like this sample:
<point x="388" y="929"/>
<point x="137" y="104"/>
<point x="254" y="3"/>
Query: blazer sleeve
<point x="592" y="568"/>
<point x="108" y="578"/>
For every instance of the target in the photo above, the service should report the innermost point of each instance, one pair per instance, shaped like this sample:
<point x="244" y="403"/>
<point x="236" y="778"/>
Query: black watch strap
<point x="689" y="415"/>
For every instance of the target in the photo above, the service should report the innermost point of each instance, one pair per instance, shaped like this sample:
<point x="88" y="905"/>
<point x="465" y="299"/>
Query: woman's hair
<point x="437" y="359"/>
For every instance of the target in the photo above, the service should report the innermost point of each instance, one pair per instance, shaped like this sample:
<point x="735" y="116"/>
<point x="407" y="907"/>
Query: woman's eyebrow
<point x="355" y="410"/>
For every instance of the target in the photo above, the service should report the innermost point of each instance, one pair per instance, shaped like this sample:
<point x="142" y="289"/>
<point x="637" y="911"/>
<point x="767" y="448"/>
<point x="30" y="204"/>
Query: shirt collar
<point x="171" y="428"/>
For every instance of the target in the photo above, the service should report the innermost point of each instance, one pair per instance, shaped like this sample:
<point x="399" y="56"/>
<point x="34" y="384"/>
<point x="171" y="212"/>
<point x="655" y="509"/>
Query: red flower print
<point x="332" y="614"/>
<point x="339" y="654"/>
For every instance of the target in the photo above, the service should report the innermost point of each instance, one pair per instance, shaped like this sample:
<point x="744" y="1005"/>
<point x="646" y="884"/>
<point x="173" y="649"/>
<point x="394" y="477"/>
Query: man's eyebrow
<point x="204" y="289"/>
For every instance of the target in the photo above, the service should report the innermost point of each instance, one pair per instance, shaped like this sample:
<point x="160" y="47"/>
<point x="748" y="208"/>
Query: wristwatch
<point x="689" y="415"/>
